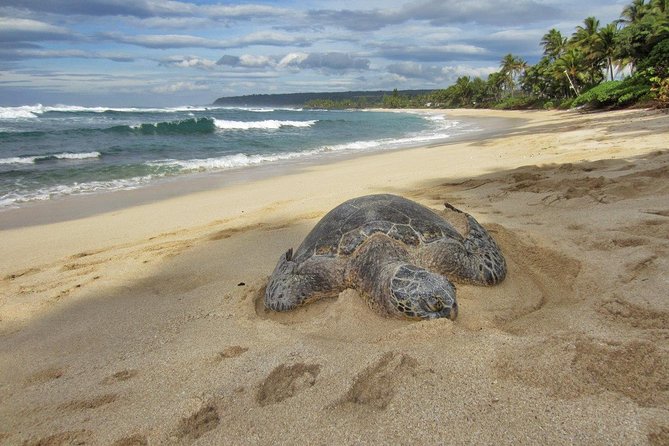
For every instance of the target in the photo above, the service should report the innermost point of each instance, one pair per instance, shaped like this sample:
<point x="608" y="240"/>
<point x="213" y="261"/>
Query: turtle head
<point x="418" y="293"/>
<point x="286" y="288"/>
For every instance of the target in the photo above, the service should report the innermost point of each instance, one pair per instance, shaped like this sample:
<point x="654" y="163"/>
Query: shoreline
<point x="145" y="324"/>
<point x="72" y="207"/>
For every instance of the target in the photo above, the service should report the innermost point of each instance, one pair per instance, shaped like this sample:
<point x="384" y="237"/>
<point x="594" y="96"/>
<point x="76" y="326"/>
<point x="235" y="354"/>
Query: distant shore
<point x="137" y="317"/>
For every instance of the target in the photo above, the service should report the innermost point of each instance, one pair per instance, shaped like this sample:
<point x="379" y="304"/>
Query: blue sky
<point x="177" y="52"/>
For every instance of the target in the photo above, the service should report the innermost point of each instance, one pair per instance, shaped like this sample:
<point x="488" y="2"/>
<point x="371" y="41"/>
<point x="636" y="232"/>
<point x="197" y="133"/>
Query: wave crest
<point x="32" y="159"/>
<point x="269" y="124"/>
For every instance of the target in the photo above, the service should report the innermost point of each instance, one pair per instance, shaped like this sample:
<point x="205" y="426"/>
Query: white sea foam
<point x="75" y="156"/>
<point x="270" y="124"/>
<point x="32" y="111"/>
<point x="61" y="156"/>
<point x="14" y="198"/>
<point x="18" y="160"/>
<point x="227" y="162"/>
<point x="25" y="112"/>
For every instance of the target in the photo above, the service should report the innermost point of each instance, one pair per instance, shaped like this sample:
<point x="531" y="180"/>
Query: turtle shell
<point x="348" y="225"/>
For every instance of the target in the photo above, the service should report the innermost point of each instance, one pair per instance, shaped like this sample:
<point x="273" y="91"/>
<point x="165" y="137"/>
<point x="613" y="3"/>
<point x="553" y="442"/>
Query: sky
<point x="180" y="52"/>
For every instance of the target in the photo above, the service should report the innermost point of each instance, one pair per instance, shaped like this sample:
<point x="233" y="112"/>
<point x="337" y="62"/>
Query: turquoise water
<point x="48" y="152"/>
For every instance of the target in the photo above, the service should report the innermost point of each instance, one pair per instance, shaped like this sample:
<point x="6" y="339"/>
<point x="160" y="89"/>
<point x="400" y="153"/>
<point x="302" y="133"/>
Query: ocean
<point x="48" y="152"/>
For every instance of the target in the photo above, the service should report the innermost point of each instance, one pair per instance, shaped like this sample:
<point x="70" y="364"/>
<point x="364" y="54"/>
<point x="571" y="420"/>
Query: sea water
<point x="51" y="151"/>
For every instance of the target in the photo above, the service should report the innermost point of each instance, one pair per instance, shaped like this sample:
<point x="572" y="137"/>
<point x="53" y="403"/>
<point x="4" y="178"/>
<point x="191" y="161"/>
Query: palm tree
<point x="644" y="25"/>
<point x="584" y="39"/>
<point x="570" y="65"/>
<point x="605" y="47"/>
<point x="512" y="67"/>
<point x="554" y="44"/>
<point x="584" y="34"/>
<point x="463" y="90"/>
<point x="495" y="84"/>
<point x="659" y="6"/>
<point x="633" y="12"/>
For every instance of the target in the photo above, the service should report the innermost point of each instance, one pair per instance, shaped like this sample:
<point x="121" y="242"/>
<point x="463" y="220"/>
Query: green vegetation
<point x="580" y="70"/>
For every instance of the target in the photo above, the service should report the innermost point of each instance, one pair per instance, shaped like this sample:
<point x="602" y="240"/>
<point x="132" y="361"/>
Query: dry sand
<point x="144" y="326"/>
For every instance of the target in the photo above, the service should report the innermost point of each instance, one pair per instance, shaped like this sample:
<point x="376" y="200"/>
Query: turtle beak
<point x="453" y="313"/>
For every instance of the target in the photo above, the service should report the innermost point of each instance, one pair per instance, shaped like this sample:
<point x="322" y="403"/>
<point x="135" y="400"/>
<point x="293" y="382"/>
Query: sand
<point x="145" y="325"/>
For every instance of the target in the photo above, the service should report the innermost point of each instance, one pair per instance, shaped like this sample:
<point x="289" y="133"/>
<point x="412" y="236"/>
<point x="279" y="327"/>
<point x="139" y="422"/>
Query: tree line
<point x="574" y="70"/>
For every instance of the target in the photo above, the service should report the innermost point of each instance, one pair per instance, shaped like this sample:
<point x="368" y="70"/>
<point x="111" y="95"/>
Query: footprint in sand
<point x="229" y="352"/>
<point x="619" y="310"/>
<point x="123" y="375"/>
<point x="89" y="403"/>
<point x="62" y="438"/>
<point x="286" y="381"/>
<point x="133" y="440"/>
<point x="375" y="386"/>
<point x="577" y="366"/>
<point x="193" y="427"/>
<point x="658" y="436"/>
<point x="45" y="375"/>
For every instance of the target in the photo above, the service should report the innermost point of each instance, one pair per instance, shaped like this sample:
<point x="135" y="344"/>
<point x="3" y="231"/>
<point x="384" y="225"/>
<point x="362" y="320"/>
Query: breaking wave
<point x="32" y="159"/>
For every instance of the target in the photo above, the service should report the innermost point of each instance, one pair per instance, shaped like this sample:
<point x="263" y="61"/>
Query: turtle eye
<point x="435" y="306"/>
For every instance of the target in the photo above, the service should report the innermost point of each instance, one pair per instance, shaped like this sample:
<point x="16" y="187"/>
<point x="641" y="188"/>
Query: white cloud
<point x="244" y="11"/>
<point x="292" y="59"/>
<point x="248" y="60"/>
<point x="39" y="53"/>
<point x="416" y="70"/>
<point x="189" y="62"/>
<point x="18" y="30"/>
<point x="331" y="61"/>
<point x="165" y="41"/>
<point x="179" y="86"/>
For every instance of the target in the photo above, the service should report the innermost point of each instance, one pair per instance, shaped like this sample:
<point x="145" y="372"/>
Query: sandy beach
<point x="143" y="323"/>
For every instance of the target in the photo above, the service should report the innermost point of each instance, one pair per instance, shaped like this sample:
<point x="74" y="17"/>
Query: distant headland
<point x="340" y="99"/>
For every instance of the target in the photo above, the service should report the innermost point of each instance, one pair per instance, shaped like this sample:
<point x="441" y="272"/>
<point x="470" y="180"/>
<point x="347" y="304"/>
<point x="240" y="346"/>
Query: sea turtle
<point x="395" y="252"/>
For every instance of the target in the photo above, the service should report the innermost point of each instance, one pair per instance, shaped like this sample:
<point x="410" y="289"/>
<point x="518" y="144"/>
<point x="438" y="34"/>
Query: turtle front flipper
<point x="293" y="284"/>
<point x="382" y="271"/>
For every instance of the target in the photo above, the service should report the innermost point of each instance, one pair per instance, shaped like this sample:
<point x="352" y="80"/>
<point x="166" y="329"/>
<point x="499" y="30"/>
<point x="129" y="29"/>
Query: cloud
<point x="189" y="62"/>
<point x="179" y="86"/>
<point x="268" y="38"/>
<point x="439" y="13"/>
<point x="488" y="12"/>
<point x="435" y="73"/>
<point x="18" y="30"/>
<point x="416" y="70"/>
<point x="171" y="22"/>
<point x="335" y="61"/>
<point x="243" y="12"/>
<point x="165" y="41"/>
<point x="356" y="20"/>
<point x="427" y="53"/>
<point x="517" y="41"/>
<point x="144" y="9"/>
<point x="247" y="61"/>
<point x="15" y="53"/>
<point x="332" y="61"/>
<point x="292" y="59"/>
